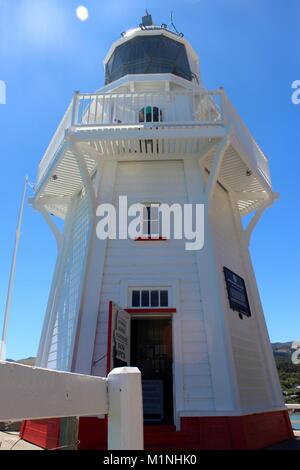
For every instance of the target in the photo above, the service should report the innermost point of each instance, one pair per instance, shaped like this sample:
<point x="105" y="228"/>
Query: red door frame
<point x="132" y="311"/>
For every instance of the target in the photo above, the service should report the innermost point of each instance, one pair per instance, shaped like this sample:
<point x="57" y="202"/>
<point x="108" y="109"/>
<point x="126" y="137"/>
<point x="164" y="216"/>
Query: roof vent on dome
<point x="147" y="20"/>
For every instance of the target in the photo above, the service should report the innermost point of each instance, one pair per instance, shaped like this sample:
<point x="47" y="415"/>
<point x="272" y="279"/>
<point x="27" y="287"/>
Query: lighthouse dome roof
<point x="150" y="50"/>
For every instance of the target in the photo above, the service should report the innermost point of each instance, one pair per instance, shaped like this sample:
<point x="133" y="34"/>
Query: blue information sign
<point x="237" y="293"/>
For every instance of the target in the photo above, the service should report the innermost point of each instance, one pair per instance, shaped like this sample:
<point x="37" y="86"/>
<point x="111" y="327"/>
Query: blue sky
<point x="248" y="46"/>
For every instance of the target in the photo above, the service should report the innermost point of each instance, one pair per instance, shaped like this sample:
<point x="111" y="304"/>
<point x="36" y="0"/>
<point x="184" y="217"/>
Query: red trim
<point x="43" y="433"/>
<point x="108" y="361"/>
<point x="250" y="432"/>
<point x="134" y="311"/>
<point x="150" y="310"/>
<point x="151" y="239"/>
<point x="22" y="428"/>
<point x="104" y="427"/>
<point x="92" y="434"/>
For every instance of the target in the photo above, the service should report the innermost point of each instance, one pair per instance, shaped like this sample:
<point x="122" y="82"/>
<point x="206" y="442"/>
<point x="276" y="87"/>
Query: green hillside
<point x="289" y="373"/>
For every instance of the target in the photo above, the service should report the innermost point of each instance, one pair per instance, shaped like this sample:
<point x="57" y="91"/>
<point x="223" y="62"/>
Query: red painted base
<point x="43" y="433"/>
<point x="249" y="432"/>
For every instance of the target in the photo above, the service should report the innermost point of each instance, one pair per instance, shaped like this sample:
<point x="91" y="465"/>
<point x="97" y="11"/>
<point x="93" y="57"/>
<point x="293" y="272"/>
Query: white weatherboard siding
<point x="158" y="181"/>
<point x="249" y="361"/>
<point x="58" y="348"/>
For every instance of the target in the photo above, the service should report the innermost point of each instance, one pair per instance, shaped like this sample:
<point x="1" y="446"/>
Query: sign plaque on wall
<point x="237" y="293"/>
<point x="118" y="337"/>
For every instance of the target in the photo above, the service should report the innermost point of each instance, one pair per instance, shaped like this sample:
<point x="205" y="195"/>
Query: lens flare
<point x="82" y="13"/>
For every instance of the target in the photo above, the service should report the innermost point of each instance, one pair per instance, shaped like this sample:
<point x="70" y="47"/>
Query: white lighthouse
<point x="191" y="320"/>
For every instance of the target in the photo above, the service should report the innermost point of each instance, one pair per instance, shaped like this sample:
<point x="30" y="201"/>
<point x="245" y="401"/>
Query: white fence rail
<point x="34" y="393"/>
<point x="293" y="406"/>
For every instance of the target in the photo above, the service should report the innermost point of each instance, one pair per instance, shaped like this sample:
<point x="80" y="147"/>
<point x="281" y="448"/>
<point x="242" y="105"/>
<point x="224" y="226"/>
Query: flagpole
<point x="12" y="274"/>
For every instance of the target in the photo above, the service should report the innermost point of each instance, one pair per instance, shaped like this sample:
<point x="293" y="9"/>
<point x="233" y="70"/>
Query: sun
<point x="82" y="13"/>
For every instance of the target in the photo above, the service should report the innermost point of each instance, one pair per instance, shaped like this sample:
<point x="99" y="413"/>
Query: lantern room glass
<point x="148" y="54"/>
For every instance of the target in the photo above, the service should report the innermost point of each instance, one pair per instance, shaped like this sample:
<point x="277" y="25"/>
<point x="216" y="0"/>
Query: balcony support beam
<point x="265" y="201"/>
<point x="88" y="149"/>
<point x="58" y="235"/>
<point x="84" y="173"/>
<point x="253" y="222"/>
<point x="215" y="168"/>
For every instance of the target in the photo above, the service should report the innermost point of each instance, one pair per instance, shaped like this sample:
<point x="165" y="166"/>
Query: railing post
<point x="75" y="108"/>
<point x="223" y="106"/>
<point x="125" y="409"/>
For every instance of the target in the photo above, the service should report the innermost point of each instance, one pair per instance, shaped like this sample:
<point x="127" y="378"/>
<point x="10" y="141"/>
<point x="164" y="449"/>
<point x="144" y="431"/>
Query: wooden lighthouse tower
<point x="191" y="320"/>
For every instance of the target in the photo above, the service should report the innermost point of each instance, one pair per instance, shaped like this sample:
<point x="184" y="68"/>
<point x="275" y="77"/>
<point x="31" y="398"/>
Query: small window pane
<point x="145" y="298"/>
<point x="154" y="298"/>
<point x="142" y="115"/>
<point x="146" y="229"/>
<point x="164" y="301"/>
<point x="154" y="228"/>
<point x="154" y="212"/>
<point x="136" y="298"/>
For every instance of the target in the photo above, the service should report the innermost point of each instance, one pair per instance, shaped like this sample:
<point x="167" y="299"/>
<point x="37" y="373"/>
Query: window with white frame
<point x="151" y="222"/>
<point x="150" y="114"/>
<point x="154" y="297"/>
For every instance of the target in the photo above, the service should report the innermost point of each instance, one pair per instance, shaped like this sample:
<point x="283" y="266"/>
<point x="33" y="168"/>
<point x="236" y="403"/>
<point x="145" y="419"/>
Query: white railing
<point x="112" y="109"/>
<point x="125" y="109"/>
<point x="293" y="408"/>
<point x="244" y="140"/>
<point x="55" y="143"/>
<point x="115" y="109"/>
<point x="34" y="393"/>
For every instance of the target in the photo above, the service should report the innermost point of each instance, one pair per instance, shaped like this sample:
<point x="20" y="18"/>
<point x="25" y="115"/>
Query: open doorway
<point x="151" y="352"/>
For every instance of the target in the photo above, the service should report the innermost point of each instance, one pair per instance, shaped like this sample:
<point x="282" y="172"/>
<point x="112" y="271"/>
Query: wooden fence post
<point x="68" y="436"/>
<point x="125" y="409"/>
<point x="34" y="393"/>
